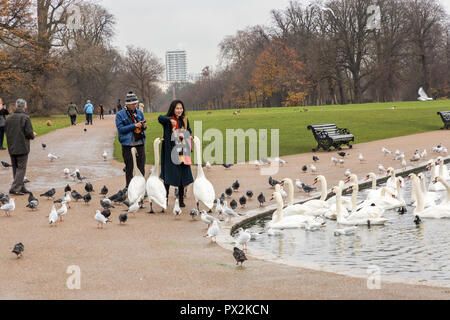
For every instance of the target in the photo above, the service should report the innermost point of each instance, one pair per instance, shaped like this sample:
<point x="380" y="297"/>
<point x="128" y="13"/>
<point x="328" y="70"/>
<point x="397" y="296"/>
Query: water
<point x="399" y="248"/>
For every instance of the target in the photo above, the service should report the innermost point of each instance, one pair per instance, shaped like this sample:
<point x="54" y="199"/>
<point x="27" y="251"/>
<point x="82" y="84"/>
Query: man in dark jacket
<point x="19" y="132"/>
<point x="72" y="111"/>
<point x="3" y="113"/>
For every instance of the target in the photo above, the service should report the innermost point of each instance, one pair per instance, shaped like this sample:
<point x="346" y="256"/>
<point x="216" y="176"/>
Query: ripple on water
<point x="399" y="248"/>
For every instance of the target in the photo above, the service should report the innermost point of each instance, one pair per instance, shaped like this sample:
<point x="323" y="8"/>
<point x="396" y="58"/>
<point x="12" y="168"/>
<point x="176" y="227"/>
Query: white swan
<point x="346" y="201"/>
<point x="156" y="191"/>
<point x="434" y="186"/>
<point x="318" y="207"/>
<point x="373" y="192"/>
<point x="352" y="221"/>
<point x="291" y="209"/>
<point x="443" y="170"/>
<point x="445" y="201"/>
<point x="391" y="182"/>
<point x="136" y="188"/>
<point x="203" y="189"/>
<point x="429" y="197"/>
<point x="291" y="222"/>
<point x="364" y="211"/>
<point x="387" y="199"/>
<point x="435" y="212"/>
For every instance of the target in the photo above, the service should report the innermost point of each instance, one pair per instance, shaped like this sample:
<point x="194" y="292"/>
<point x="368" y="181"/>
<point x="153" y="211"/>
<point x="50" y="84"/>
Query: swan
<point x="373" y="192"/>
<point x="435" y="212"/>
<point x="291" y="222"/>
<point x="445" y="201"/>
<point x="291" y="209"/>
<point x="364" y="210"/>
<point x="203" y="189"/>
<point x="443" y="170"/>
<point x="391" y="182"/>
<point x="434" y="186"/>
<point x="429" y="197"/>
<point x="156" y="191"/>
<point x="136" y="188"/>
<point x="346" y="201"/>
<point x="387" y="199"/>
<point x="352" y="221"/>
<point x="318" y="207"/>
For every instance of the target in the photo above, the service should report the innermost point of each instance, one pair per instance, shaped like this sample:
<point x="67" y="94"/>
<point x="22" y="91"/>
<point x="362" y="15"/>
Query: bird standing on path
<point x="104" y="191"/>
<point x="307" y="189"/>
<point x="242" y="201"/>
<point x="261" y="199"/>
<point x="315" y="158"/>
<point x="361" y="157"/>
<point x="273" y="182"/>
<point x="18" y="249"/>
<point x="52" y="157"/>
<point x="343" y="154"/>
<point x="176" y="208"/>
<point x="123" y="218"/>
<point x="304" y="169"/>
<point x="9" y="207"/>
<point x="243" y="238"/>
<point x="88" y="187"/>
<point x="43" y="146"/>
<point x="229" y="192"/>
<point x="239" y="256"/>
<point x="385" y="151"/>
<point x="227" y="166"/>
<point x="49" y="194"/>
<point x="194" y="213"/>
<point x="105" y="155"/>
<point x="101" y="219"/>
<point x="235" y="186"/>
<point x="233" y="204"/>
<point x="249" y="194"/>
<point x="53" y="216"/>
<point x="76" y="195"/>
<point x="334" y="160"/>
<point x="87" y="197"/>
<point x="5" y="164"/>
<point x="213" y="231"/>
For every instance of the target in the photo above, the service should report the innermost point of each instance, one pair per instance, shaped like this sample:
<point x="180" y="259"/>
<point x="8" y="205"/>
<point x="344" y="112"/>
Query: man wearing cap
<point x="130" y="123"/>
<point x="89" y="110"/>
<point x="19" y="132"/>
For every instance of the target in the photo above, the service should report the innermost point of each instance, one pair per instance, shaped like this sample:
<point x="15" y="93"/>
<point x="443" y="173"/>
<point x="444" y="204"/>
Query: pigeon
<point x="67" y="188"/>
<point x="87" y="197"/>
<point x="385" y="151"/>
<point x="307" y="189"/>
<point x="105" y="155"/>
<point x="79" y="176"/>
<point x="213" y="231"/>
<point x="88" y="187"/>
<point x="85" y="130"/>
<point x="53" y="216"/>
<point x="229" y="192"/>
<point x="176" y="208"/>
<point x="227" y="166"/>
<point x="104" y="191"/>
<point x="249" y="194"/>
<point x="11" y="206"/>
<point x="343" y="154"/>
<point x="101" y="219"/>
<point x="243" y="237"/>
<point x="43" y="146"/>
<point x="233" y="204"/>
<point x="298" y="183"/>
<point x="334" y="160"/>
<point x="239" y="256"/>
<point x="106" y="213"/>
<point x="33" y="203"/>
<point x="235" y="186"/>
<point x="194" y="213"/>
<point x="315" y="158"/>
<point x="261" y="199"/>
<point x="25" y="180"/>
<point x="304" y="169"/>
<point x="5" y="164"/>
<point x="18" y="249"/>
<point x="76" y="195"/>
<point x="123" y="218"/>
<point x="273" y="182"/>
<point x="222" y="198"/>
<point x="242" y="201"/>
<point x="4" y="198"/>
<point x="49" y="194"/>
<point x="52" y="157"/>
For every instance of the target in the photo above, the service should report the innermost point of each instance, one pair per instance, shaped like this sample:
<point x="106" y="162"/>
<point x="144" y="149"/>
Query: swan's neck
<point x="136" y="171"/>
<point x="198" y="151"/>
<point x="339" y="204"/>
<point x="424" y="187"/>
<point x="447" y="187"/>
<point x="279" y="211"/>
<point x="290" y="192"/>
<point x="323" y="184"/>
<point x="419" y="196"/>
<point x="374" y="182"/>
<point x="441" y="169"/>
<point x="155" y="171"/>
<point x="355" y="197"/>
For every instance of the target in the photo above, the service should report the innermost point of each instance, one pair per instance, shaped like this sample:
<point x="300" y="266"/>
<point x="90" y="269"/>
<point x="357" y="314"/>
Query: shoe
<point x="24" y="190"/>
<point x="20" y="193"/>
<point x="182" y="205"/>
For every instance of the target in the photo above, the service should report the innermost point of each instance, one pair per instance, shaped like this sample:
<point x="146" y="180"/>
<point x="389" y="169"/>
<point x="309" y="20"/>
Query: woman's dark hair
<point x="173" y="105"/>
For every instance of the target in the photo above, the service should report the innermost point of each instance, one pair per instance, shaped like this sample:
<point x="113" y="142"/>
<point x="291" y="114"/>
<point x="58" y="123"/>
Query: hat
<point x="131" y="98"/>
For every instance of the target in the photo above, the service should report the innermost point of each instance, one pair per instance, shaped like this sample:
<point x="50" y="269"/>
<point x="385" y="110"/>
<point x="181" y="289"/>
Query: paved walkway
<point x="160" y="257"/>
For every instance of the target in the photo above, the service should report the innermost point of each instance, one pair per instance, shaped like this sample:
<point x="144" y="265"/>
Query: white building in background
<point x="176" y="66"/>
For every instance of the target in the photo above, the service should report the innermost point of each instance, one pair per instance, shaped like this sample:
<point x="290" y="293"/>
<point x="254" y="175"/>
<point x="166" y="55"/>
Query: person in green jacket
<point x="72" y="111"/>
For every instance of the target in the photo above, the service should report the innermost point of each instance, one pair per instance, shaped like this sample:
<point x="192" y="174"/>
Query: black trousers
<point x="88" y="118"/>
<point x="180" y="192"/>
<point x="73" y="119"/>
<point x="19" y="165"/>
<point x="128" y="159"/>
<point x="2" y="134"/>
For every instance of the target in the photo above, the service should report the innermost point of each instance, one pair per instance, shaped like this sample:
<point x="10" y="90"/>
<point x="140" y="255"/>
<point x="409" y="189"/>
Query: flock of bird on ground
<point x="310" y="215"/>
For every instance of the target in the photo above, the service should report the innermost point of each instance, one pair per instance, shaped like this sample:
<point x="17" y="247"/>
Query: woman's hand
<point x="138" y="125"/>
<point x="173" y="122"/>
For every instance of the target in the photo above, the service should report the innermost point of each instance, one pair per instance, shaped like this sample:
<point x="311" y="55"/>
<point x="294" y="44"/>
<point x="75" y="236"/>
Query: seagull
<point x="261" y="199"/>
<point x="361" y="157"/>
<point x="49" y="194"/>
<point x="206" y="218"/>
<point x="323" y="8"/>
<point x="62" y="211"/>
<point x="101" y="219"/>
<point x="53" y="217"/>
<point x="123" y="218"/>
<point x="315" y="159"/>
<point x="385" y="151"/>
<point x="404" y="164"/>
<point x="265" y="161"/>
<point x="208" y="165"/>
<point x="194" y="213"/>
<point x="239" y="256"/>
<point x="334" y="160"/>
<point x="298" y="183"/>
<point x="65" y="199"/>
<point x="313" y="168"/>
<point x="176" y="208"/>
<point x="134" y="207"/>
<point x="11" y="206"/>
<point x="228" y="211"/>
<point x="400" y="157"/>
<point x="213" y="231"/>
<point x="235" y="186"/>
<point x="424" y="154"/>
<point x="257" y="163"/>
<point x="104" y="191"/>
<point x="105" y="155"/>
<point x="345" y="231"/>
<point x="283" y="193"/>
<point x="242" y="201"/>
<point x="52" y="157"/>
<point x="218" y="209"/>
<point x="423" y="95"/>
<point x="341" y="161"/>
<point x="18" y="249"/>
<point x="281" y="161"/>
<point x="249" y="194"/>
<point x="416" y="157"/>
<point x="347" y="173"/>
<point x="397" y="152"/>
<point x="5" y="164"/>
<point x="243" y="238"/>
<point x="381" y="168"/>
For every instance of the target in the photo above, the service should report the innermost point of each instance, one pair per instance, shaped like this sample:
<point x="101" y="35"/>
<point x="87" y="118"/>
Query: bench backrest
<point x="445" y="115"/>
<point x="330" y="128"/>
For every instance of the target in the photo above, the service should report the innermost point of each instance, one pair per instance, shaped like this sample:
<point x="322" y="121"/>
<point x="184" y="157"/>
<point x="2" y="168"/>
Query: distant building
<point x="176" y="66"/>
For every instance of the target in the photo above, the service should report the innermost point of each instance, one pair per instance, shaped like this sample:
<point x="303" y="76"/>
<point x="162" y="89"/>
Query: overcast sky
<point x="196" y="26"/>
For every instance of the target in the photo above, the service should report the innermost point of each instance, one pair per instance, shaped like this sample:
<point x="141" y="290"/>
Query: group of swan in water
<point x="347" y="211"/>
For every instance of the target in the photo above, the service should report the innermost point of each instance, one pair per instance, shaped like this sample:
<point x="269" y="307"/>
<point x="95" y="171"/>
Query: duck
<point x="203" y="189"/>
<point x="290" y="222"/>
<point x="136" y="188"/>
<point x="353" y="220"/>
<point x="156" y="191"/>
<point x="433" y="187"/>
<point x="435" y="212"/>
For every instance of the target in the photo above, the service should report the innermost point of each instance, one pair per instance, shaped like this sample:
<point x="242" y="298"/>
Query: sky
<point x="197" y="26"/>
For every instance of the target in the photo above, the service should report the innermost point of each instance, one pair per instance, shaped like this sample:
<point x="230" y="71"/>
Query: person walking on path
<point x="19" y="132"/>
<point x="176" y="163"/>
<point x="131" y="124"/>
<point x="72" y="111"/>
<point x="101" y="111"/>
<point x="3" y="113"/>
<point x="89" y="110"/>
<point x="119" y="107"/>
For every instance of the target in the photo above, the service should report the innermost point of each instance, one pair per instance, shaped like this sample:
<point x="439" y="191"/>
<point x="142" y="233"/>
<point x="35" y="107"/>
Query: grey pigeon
<point x="18" y="249"/>
<point x="249" y="194"/>
<point x="49" y="194"/>
<point x="261" y="199"/>
<point x="235" y="185"/>
<point x="123" y="217"/>
<point x="239" y="256"/>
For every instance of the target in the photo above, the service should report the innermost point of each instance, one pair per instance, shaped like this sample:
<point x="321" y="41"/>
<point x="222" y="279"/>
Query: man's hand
<point x="138" y="125"/>
<point x="35" y="134"/>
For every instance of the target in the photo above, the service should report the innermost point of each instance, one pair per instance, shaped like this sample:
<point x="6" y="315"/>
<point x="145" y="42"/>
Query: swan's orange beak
<point x="315" y="181"/>
<point x="349" y="189"/>
<point x="428" y="166"/>
<point x="408" y="178"/>
<point x="367" y="178"/>
<point x="282" y="183"/>
<point x="435" y="180"/>
<point x="347" y="180"/>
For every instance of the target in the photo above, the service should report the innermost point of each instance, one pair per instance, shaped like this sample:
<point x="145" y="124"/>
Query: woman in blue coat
<point x="175" y="152"/>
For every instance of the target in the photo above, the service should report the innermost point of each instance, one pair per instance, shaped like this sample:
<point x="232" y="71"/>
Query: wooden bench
<point x="329" y="135"/>
<point x="445" y="115"/>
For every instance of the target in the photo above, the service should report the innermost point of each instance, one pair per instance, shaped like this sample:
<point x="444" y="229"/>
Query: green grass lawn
<point x="367" y="122"/>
